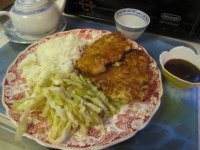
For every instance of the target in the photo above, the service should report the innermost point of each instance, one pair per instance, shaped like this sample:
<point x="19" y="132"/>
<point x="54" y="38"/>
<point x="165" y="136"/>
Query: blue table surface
<point x="175" y="124"/>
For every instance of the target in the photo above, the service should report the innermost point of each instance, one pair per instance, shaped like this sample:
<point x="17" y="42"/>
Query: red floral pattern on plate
<point x="120" y="127"/>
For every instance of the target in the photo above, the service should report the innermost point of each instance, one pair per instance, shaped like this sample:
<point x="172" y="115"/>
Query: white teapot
<point x="35" y="17"/>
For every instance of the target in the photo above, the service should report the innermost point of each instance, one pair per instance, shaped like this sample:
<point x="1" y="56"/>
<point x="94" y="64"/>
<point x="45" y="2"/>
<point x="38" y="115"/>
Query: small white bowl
<point x="183" y="53"/>
<point x="131" y="22"/>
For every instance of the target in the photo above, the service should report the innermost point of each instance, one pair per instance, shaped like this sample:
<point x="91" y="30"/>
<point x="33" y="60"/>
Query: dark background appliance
<point x="176" y="18"/>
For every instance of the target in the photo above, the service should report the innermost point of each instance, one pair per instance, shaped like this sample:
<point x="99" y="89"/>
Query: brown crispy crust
<point x="128" y="81"/>
<point x="106" y="50"/>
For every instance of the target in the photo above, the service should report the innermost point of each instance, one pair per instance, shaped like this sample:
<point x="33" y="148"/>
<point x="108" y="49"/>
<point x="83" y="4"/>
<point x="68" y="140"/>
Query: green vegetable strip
<point x="22" y="125"/>
<point x="70" y="103"/>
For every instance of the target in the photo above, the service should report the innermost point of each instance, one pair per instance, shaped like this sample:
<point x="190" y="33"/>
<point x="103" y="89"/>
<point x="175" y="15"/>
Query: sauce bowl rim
<point x="162" y="55"/>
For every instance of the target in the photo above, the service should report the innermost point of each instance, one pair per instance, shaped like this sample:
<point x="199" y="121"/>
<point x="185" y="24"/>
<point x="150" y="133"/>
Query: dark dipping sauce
<point x="183" y="69"/>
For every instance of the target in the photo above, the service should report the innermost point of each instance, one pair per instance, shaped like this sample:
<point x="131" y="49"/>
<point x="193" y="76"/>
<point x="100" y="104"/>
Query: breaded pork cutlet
<point x="106" y="50"/>
<point x="128" y="81"/>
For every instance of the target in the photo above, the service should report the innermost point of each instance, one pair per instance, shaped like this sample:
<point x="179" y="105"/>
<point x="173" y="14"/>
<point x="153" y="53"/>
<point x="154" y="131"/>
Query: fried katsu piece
<point x="106" y="50"/>
<point x="128" y="81"/>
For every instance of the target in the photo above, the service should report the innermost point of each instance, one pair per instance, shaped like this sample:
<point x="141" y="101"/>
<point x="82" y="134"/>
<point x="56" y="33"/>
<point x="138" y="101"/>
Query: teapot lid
<point x="29" y="5"/>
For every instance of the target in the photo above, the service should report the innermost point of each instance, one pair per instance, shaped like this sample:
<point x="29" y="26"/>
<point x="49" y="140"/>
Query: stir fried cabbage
<point x="69" y="102"/>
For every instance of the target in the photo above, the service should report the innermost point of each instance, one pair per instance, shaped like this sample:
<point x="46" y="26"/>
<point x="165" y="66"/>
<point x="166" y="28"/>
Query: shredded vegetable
<point x="69" y="102"/>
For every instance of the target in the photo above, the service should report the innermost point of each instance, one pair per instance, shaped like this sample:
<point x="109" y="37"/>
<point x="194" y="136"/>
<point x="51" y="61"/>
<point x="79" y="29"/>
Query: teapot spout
<point x="60" y="4"/>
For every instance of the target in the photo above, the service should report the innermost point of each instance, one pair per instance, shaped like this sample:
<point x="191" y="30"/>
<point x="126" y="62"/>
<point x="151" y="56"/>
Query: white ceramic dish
<point x="131" y="22"/>
<point x="35" y="17"/>
<point x="123" y="125"/>
<point x="184" y="53"/>
<point x="17" y="37"/>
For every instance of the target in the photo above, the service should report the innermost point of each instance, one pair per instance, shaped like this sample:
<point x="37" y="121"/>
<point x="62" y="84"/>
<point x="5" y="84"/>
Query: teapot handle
<point x="60" y="4"/>
<point x="2" y="13"/>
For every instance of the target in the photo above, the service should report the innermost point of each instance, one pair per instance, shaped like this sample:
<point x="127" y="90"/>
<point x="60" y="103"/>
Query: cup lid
<point x="29" y="5"/>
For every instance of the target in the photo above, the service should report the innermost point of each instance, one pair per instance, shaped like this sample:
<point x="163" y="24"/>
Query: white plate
<point x="124" y="125"/>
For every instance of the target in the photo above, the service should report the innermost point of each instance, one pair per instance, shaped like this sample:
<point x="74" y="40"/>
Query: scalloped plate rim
<point x="81" y="148"/>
